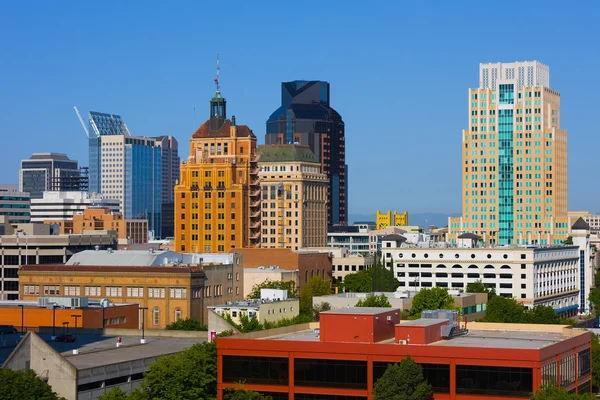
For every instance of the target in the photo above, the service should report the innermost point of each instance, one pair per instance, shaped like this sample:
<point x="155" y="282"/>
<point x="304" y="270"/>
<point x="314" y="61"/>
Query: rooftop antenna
<point x="217" y="77"/>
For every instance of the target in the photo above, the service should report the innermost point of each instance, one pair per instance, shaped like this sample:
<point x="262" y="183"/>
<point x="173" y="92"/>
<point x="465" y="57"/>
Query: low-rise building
<point x="343" y="262"/>
<point x="22" y="244"/>
<point x="15" y="205"/>
<point x="261" y="274"/>
<point x="170" y="285"/>
<point x="70" y="312"/>
<point x="103" y="219"/>
<point x="556" y="276"/>
<point x="94" y="364"/>
<point x="308" y="264"/>
<point x="361" y="237"/>
<point x="345" y="354"/>
<point x="272" y="306"/>
<point x="56" y="206"/>
<point x="470" y="305"/>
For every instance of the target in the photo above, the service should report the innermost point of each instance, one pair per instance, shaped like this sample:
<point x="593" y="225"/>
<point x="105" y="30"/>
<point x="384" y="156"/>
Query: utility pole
<point x="143" y="324"/>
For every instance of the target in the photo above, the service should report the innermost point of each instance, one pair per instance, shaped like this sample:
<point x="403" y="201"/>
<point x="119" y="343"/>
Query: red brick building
<point x="343" y="358"/>
<point x="309" y="264"/>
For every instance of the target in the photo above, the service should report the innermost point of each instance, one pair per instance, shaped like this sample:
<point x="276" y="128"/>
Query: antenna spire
<point x="217" y="77"/>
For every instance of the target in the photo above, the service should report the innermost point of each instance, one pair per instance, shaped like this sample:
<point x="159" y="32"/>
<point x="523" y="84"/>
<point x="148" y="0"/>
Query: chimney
<point x="233" y="120"/>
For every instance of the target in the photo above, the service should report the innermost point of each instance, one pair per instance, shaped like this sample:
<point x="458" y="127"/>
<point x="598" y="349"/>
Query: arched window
<point x="177" y="314"/>
<point x="156" y="316"/>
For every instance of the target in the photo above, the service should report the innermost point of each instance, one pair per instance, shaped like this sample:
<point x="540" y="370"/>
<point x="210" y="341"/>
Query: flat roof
<point x="105" y="352"/>
<point x="422" y="322"/>
<point x="361" y="310"/>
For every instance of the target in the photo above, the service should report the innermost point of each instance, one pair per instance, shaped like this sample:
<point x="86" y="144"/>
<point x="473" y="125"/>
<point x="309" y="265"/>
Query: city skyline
<point x="399" y="68"/>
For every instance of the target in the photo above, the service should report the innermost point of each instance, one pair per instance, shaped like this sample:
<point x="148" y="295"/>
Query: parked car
<point x="65" y="338"/>
<point x="7" y="329"/>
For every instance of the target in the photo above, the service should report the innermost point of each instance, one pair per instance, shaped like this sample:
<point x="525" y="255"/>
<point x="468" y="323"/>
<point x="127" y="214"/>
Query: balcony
<point x="255" y="214"/>
<point x="255" y="193"/>
<point x="255" y="158"/>
<point x="255" y="236"/>
<point x="255" y="225"/>
<point x="255" y="182"/>
<point x="255" y="203"/>
<point x="206" y="187"/>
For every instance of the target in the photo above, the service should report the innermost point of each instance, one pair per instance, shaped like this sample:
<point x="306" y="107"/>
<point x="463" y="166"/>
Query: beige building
<point x="273" y="306"/>
<point x="343" y="262"/>
<point x="258" y="275"/>
<point x="514" y="159"/>
<point x="294" y="197"/>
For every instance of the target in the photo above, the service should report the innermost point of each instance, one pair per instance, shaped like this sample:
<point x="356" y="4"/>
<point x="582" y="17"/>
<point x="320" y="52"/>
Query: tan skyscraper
<point x="217" y="200"/>
<point x="514" y="158"/>
<point x="294" y="197"/>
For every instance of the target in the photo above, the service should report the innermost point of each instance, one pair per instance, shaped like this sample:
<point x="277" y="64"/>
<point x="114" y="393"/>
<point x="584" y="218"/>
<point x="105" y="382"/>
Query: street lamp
<point x="22" y="317"/>
<point x="65" y="327"/>
<point x="22" y="232"/>
<point x="76" y="317"/>
<point x="143" y="323"/>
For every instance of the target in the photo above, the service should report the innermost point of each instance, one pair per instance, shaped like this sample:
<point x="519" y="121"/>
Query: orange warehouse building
<point x="33" y="317"/>
<point x="342" y="358"/>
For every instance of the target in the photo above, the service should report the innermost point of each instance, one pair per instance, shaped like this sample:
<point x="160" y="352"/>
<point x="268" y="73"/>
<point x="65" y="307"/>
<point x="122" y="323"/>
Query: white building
<point x="557" y="276"/>
<point x="525" y="73"/>
<point x="361" y="237"/>
<point x="343" y="262"/>
<point x="63" y="205"/>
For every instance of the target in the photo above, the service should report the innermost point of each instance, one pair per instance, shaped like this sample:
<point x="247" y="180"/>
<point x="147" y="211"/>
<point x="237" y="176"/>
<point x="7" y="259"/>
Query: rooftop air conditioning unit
<point x="402" y="341"/>
<point x="389" y="317"/>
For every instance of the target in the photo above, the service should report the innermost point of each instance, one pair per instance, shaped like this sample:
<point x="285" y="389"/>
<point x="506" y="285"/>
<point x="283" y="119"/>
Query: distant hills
<point x="422" y="219"/>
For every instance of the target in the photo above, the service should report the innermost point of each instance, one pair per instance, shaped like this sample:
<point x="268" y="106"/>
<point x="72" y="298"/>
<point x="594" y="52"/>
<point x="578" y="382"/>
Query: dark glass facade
<point x="50" y="172"/>
<point x="438" y="375"/>
<point x="494" y="381"/>
<point x="259" y="370"/>
<point x="330" y="373"/>
<point x="306" y="117"/>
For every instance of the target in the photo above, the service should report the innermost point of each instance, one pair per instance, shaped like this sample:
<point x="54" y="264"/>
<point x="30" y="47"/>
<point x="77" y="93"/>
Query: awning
<point x="568" y="308"/>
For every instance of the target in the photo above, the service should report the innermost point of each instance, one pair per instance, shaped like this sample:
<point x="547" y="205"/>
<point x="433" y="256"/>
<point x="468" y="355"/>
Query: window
<point x="52" y="290"/>
<point x="93" y="291"/>
<point x="497" y="381"/>
<point x="135" y="291"/>
<point x="177" y="314"/>
<point x="156" y="293"/>
<point x="178" y="293"/>
<point x="256" y="370"/>
<point x="115" y="291"/>
<point x="72" y="290"/>
<point x="584" y="362"/>
<point x="330" y="373"/>
<point x="438" y="375"/>
<point x="155" y="316"/>
<point x="31" y="290"/>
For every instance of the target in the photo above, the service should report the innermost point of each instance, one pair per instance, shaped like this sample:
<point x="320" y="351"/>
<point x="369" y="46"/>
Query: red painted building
<point x="343" y="357"/>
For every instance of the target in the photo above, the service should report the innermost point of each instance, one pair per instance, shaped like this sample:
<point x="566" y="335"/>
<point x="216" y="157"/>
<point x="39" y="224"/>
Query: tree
<point x="24" y="385"/>
<point x="402" y="381"/>
<point x="595" y="361"/>
<point x="374" y="301"/>
<point x="504" y="309"/>
<point x="191" y="374"/>
<point x="436" y="298"/>
<point x="594" y="297"/>
<point x="187" y="324"/>
<point x="316" y="286"/>
<point x="115" y="394"/>
<point x="359" y="282"/>
<point x="319" y="308"/>
<point x="290" y="286"/>
<point x="248" y="324"/>
<point x="375" y="279"/>
<point x="568" y="240"/>
<point x="241" y="394"/>
<point x="479" y="287"/>
<point x="554" y="393"/>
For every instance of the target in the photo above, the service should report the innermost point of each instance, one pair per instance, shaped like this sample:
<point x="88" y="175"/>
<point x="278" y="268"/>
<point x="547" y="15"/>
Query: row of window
<point x="110" y="291"/>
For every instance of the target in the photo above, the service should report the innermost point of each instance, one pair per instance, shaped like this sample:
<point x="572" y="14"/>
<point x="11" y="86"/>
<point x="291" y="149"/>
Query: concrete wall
<point x="255" y="276"/>
<point x="34" y="353"/>
<point x="218" y="324"/>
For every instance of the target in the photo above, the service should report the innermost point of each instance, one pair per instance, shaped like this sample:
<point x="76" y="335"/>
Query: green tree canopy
<point x="374" y="279"/>
<point x="554" y="393"/>
<point x="479" y="287"/>
<point x="436" y="298"/>
<point x="241" y="394"/>
<point x="402" y="381"/>
<point x="595" y="361"/>
<point x="319" y="308"/>
<point x="316" y="286"/>
<point x="290" y="286"/>
<point x="117" y="394"/>
<point x="24" y="385"/>
<point x="504" y="309"/>
<point x="188" y="324"/>
<point x="374" y="301"/>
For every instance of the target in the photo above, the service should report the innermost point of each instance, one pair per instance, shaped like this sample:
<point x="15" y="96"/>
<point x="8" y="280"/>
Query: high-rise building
<point x="128" y="168"/>
<point x="49" y="172"/>
<point x="15" y="205"/>
<point x="294" y="197"/>
<point x="305" y="117"/>
<point x="217" y="200"/>
<point x="514" y="159"/>
<point x="63" y="205"/>
<point x="170" y="175"/>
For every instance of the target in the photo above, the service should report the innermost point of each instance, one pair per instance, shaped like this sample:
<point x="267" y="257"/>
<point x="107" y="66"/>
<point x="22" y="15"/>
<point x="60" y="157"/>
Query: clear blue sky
<point x="399" y="74"/>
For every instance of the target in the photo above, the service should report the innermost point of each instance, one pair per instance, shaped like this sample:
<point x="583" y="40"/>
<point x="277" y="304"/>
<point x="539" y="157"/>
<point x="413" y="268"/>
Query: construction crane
<point x="92" y="123"/>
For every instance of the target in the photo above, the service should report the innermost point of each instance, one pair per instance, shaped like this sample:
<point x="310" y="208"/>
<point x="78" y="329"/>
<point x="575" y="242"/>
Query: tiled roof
<point x="580" y="224"/>
<point x="285" y="152"/>
<point x="205" y="132"/>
